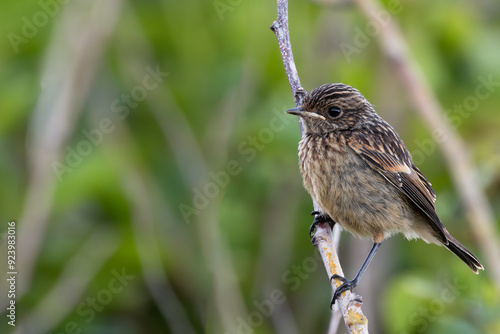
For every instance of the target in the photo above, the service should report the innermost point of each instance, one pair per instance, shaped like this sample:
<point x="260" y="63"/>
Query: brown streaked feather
<point x="385" y="153"/>
<point x="425" y="181"/>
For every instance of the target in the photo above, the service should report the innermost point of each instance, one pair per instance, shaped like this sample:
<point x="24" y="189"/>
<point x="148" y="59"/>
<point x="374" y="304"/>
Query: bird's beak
<point x="303" y="113"/>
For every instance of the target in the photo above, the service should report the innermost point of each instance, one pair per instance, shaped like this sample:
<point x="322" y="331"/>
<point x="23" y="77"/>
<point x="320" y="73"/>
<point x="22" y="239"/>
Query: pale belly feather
<point x="354" y="195"/>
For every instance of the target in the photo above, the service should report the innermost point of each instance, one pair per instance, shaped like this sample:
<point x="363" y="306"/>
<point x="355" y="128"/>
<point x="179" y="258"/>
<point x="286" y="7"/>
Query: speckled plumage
<point x="359" y="172"/>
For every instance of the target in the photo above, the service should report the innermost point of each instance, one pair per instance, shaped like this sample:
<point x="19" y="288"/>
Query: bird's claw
<point x="346" y="285"/>
<point x="319" y="218"/>
<point x="340" y="278"/>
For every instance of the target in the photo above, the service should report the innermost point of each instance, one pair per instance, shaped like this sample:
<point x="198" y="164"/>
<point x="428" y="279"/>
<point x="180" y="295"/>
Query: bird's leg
<point x="349" y="285"/>
<point x="319" y="218"/>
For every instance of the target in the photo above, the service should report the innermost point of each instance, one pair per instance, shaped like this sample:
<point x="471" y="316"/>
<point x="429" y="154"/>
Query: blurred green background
<point x="152" y="172"/>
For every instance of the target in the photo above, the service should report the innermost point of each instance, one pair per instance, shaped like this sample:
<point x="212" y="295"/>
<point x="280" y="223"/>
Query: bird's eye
<point x="334" y="111"/>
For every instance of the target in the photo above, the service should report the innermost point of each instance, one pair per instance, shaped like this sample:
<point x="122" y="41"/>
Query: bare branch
<point x="350" y="303"/>
<point x="280" y="29"/>
<point x="478" y="210"/>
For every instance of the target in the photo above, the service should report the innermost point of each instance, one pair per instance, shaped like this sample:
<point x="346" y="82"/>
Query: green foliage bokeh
<point x="220" y="111"/>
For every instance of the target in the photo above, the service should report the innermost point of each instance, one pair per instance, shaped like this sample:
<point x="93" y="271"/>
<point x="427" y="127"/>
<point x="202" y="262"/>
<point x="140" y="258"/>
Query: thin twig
<point x="334" y="322"/>
<point x="349" y="302"/>
<point x="280" y="29"/>
<point x="477" y="207"/>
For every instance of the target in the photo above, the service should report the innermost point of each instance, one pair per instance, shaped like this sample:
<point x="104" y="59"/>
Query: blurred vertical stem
<point x="66" y="293"/>
<point x="323" y="237"/>
<point x="140" y="192"/>
<point x="71" y="62"/>
<point x="194" y="168"/>
<point x="477" y="207"/>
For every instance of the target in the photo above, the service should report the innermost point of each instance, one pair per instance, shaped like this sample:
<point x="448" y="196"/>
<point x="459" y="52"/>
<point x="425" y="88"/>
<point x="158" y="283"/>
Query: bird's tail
<point x="463" y="253"/>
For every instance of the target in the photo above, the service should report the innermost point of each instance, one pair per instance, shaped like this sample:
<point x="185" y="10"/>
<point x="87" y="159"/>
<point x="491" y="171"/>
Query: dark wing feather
<point x="425" y="181"/>
<point x="385" y="153"/>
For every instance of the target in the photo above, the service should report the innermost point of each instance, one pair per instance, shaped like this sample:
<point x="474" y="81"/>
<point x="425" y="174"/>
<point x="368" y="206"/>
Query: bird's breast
<point x="347" y="189"/>
<point x="323" y="162"/>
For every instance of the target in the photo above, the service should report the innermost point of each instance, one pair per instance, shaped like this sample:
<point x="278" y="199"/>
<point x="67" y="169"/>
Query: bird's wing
<point x="385" y="153"/>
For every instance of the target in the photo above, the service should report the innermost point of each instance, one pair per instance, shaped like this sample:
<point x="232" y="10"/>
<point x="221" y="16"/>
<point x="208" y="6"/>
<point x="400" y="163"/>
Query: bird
<point x="361" y="175"/>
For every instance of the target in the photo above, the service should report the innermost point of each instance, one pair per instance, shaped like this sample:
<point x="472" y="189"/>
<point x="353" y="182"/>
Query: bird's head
<point x="334" y="107"/>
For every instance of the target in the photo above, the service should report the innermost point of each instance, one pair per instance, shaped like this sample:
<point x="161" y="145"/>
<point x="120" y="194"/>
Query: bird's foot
<point x="346" y="285"/>
<point x="319" y="218"/>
